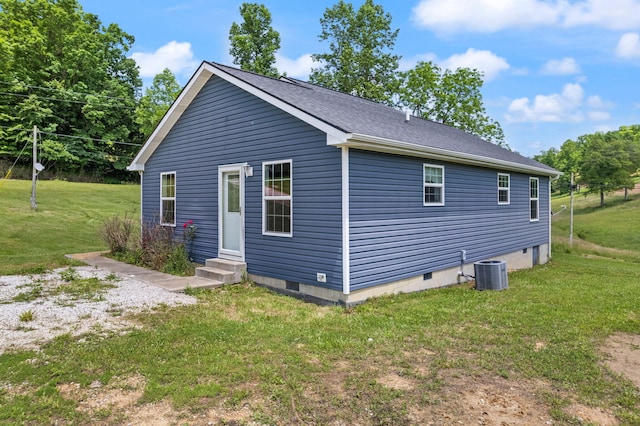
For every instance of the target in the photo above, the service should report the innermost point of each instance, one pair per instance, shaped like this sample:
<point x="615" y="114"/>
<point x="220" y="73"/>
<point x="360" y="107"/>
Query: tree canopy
<point x="603" y="162"/>
<point x="65" y="72"/>
<point x="156" y="101"/>
<point x="449" y="97"/>
<point x="254" y="42"/>
<point x="359" y="61"/>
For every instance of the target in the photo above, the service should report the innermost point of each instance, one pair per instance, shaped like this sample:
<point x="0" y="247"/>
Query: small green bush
<point x="158" y="249"/>
<point x="27" y="316"/>
<point x="116" y="232"/>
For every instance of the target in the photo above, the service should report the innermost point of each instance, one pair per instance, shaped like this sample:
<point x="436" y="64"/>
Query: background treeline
<point x="65" y="72"/>
<point x="603" y="162"/>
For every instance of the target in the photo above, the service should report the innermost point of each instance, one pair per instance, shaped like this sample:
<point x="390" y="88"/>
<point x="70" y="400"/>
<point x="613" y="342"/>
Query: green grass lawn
<point x="298" y="363"/>
<point x="617" y="225"/>
<point x="67" y="220"/>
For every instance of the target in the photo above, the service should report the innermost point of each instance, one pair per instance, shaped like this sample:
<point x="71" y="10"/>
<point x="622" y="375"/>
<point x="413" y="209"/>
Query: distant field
<point x="617" y="225"/>
<point x="68" y="218"/>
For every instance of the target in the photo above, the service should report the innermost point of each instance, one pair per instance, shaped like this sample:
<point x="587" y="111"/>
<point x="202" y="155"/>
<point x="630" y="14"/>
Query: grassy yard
<point x="67" y="220"/>
<point x="243" y="355"/>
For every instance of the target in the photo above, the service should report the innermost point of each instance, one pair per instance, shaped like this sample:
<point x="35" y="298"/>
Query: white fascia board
<point x="186" y="96"/>
<point x="373" y="143"/>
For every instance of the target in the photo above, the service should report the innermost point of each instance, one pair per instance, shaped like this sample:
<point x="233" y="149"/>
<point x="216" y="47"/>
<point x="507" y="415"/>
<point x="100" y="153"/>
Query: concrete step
<point x="216" y="274"/>
<point x="237" y="269"/>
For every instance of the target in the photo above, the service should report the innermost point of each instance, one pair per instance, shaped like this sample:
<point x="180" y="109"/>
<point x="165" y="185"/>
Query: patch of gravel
<point x="57" y="314"/>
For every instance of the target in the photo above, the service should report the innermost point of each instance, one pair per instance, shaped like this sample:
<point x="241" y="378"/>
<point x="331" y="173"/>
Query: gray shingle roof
<point x="352" y="114"/>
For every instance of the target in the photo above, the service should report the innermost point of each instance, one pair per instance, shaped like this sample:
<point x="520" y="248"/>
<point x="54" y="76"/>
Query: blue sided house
<point x="335" y="198"/>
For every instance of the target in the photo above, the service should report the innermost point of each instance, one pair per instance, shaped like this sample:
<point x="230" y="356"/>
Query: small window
<point x="504" y="195"/>
<point x="168" y="199"/>
<point x="276" y="198"/>
<point x="534" y="197"/>
<point x="433" y="185"/>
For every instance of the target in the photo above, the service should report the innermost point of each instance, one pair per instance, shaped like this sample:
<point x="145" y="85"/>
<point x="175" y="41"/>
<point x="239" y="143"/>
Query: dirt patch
<point x="592" y="415"/>
<point x="485" y="401"/>
<point x="396" y="381"/>
<point x="118" y="403"/>
<point x="623" y="355"/>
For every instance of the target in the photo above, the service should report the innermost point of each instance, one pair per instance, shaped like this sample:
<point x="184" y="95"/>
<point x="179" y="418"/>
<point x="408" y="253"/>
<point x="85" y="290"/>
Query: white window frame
<point x="502" y="189"/>
<point x="536" y="199"/>
<point x="266" y="198"/>
<point x="163" y="199"/>
<point x="432" y="185"/>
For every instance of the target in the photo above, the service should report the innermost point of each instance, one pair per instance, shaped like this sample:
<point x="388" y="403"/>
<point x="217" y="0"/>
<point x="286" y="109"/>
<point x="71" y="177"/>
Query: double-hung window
<point x="168" y="199"/>
<point x="504" y="191"/>
<point x="433" y="179"/>
<point x="534" y="198"/>
<point x="276" y="198"/>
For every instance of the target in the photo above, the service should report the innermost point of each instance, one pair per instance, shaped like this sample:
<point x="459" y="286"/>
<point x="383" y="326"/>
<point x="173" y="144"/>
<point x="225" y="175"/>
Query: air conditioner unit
<point x="491" y="275"/>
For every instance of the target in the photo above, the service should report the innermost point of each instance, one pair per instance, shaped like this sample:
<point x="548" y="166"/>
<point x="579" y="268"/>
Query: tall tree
<point x="608" y="162"/>
<point x="449" y="97"/>
<point x="65" y="72"/>
<point x="156" y="101"/>
<point x="254" y="42"/>
<point x="359" y="60"/>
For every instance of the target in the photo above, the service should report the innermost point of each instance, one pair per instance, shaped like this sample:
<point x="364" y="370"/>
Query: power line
<point x="64" y="100"/>
<point x="62" y="90"/>
<point x="75" y="137"/>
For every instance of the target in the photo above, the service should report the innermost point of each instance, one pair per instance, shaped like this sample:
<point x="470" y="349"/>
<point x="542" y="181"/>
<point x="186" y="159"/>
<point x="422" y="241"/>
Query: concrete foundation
<point x="521" y="259"/>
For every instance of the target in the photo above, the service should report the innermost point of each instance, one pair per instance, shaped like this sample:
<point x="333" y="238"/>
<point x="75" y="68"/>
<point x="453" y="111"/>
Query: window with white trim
<point x="277" y="184"/>
<point x="504" y="190"/>
<point x="433" y="179"/>
<point x="168" y="199"/>
<point x="534" y="198"/>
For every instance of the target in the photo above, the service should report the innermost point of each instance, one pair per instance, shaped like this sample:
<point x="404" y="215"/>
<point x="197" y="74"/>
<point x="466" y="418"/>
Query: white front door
<point x="230" y="213"/>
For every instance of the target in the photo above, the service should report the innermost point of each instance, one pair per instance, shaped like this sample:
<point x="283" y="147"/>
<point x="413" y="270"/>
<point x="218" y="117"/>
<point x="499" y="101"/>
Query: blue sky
<point x="554" y="69"/>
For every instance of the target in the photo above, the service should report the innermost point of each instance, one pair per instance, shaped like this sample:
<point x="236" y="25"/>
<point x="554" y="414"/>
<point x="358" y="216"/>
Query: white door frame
<point x="223" y="253"/>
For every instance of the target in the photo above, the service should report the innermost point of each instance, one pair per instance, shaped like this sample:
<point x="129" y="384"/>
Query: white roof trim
<point x="373" y="143"/>
<point x="193" y="87"/>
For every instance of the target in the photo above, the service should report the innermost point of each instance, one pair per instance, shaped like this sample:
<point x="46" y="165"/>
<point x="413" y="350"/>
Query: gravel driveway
<point x="48" y="312"/>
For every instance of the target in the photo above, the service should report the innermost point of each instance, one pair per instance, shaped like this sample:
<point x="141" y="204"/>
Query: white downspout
<point x="346" y="272"/>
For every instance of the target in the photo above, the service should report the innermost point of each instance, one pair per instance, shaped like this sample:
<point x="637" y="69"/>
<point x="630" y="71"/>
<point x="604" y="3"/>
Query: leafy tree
<point x="449" y="97"/>
<point x="359" y="60"/>
<point x="608" y="162"/>
<point x="156" y="101"/>
<point x="254" y="42"/>
<point x="65" y="72"/>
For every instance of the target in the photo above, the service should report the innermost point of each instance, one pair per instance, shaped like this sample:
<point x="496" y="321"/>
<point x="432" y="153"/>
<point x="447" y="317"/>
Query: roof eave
<point x="374" y="143"/>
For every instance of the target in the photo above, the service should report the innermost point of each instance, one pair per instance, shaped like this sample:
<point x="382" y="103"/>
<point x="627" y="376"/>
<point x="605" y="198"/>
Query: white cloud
<point x="629" y="46"/>
<point x="568" y="106"/>
<point x="407" y="64"/>
<point x="483" y="60"/>
<point x="297" y="68"/>
<point x="483" y="15"/>
<point x="495" y="15"/>
<point x="611" y="14"/>
<point x="178" y="57"/>
<point x="564" y="66"/>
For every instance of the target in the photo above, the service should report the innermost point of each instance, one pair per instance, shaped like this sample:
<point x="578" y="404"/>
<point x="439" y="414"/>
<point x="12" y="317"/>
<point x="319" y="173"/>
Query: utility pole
<point x="34" y="170"/>
<point x="571" y="214"/>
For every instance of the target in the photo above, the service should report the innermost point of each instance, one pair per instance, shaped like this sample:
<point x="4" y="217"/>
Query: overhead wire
<point x="8" y="174"/>
<point x="7" y="83"/>
<point x="22" y="95"/>
<point x="76" y="137"/>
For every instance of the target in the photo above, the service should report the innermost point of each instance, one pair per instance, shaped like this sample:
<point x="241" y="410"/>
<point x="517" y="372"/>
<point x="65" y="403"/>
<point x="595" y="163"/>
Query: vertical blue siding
<point x="394" y="236"/>
<point x="226" y="125"/>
